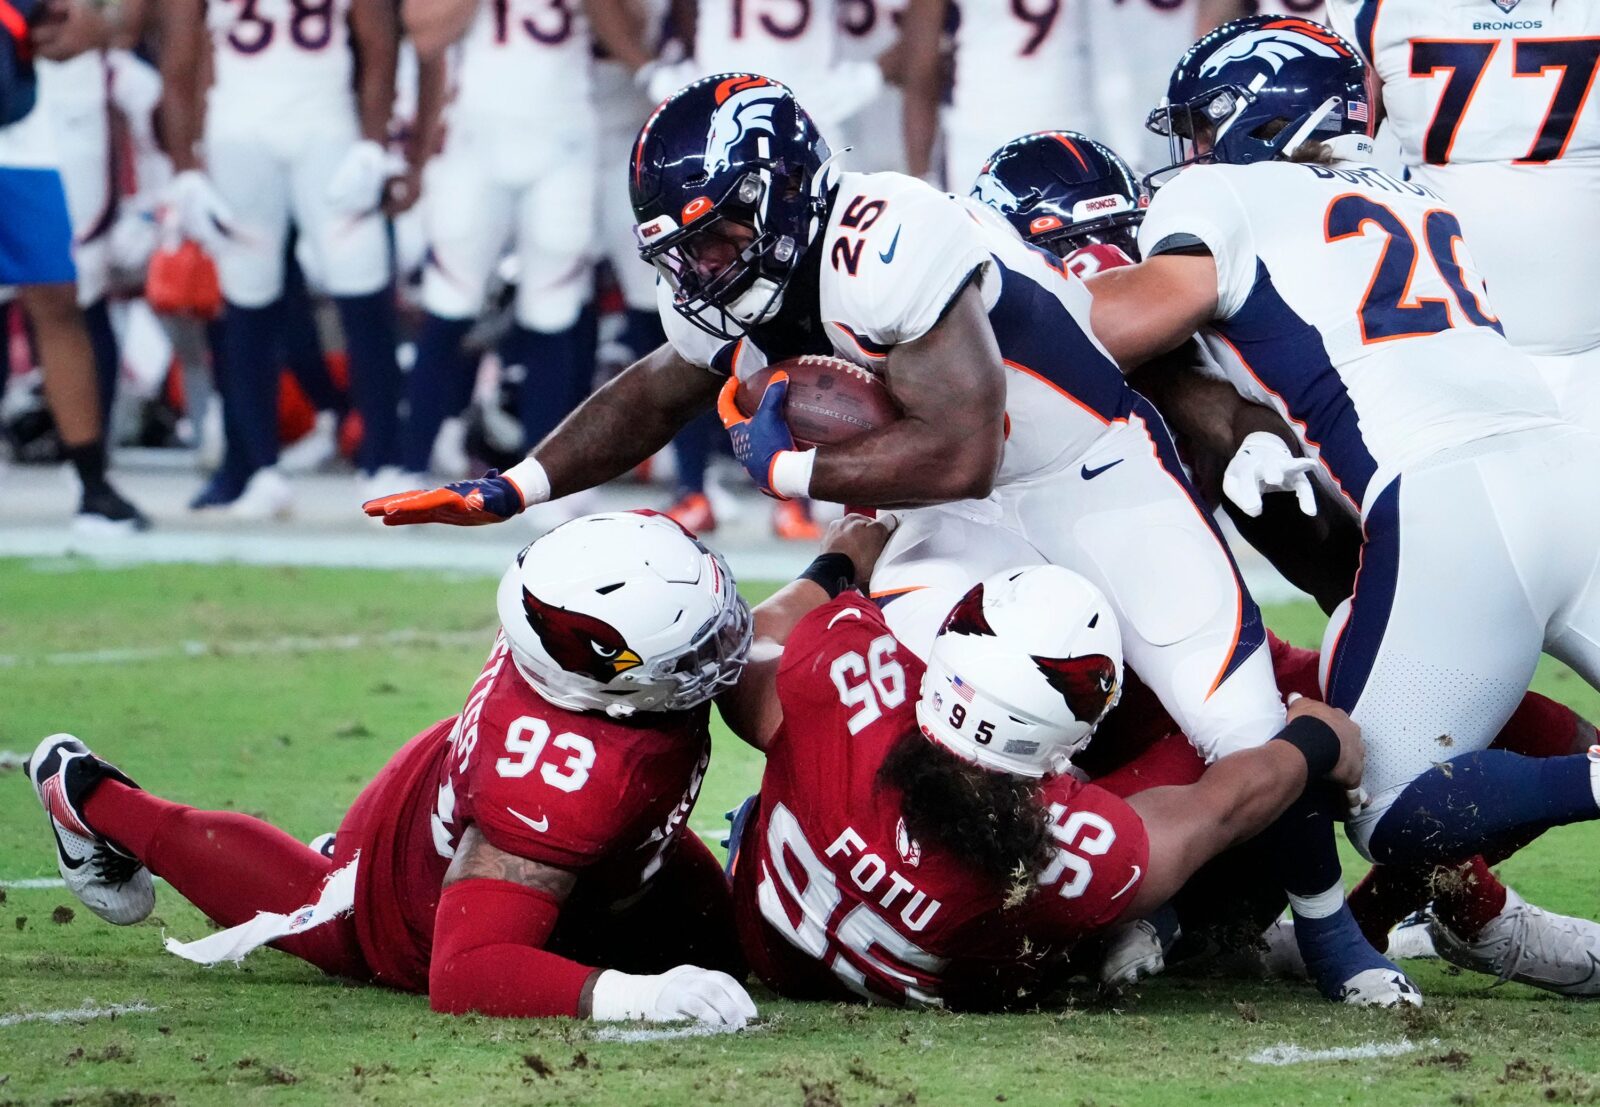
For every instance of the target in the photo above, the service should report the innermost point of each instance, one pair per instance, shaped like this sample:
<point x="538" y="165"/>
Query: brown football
<point x="830" y="400"/>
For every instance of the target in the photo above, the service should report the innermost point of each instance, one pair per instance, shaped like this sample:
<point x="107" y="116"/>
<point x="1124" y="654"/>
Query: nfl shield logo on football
<point x="1506" y="5"/>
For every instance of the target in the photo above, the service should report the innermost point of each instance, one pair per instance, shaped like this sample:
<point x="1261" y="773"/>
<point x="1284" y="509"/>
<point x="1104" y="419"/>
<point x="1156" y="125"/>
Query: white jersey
<point x="894" y="254"/>
<point x="795" y="42"/>
<point x="1492" y="110"/>
<point x="525" y="61"/>
<point x="1020" y="66"/>
<point x="876" y="135"/>
<point x="1134" y="45"/>
<point x="1347" y="301"/>
<point x="280" y="63"/>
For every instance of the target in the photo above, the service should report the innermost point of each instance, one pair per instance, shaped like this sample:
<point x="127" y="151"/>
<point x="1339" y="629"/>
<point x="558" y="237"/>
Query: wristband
<point x="1316" y="741"/>
<point x="791" y="473"/>
<point x="530" y="480"/>
<point x="835" y="572"/>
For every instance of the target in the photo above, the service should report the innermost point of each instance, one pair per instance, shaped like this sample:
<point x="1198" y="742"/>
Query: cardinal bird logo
<point x="967" y="616"/>
<point x="1086" y="683"/>
<point x="579" y="643"/>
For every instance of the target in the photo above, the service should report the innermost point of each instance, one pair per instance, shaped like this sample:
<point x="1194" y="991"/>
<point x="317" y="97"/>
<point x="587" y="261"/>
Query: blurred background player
<point x="294" y="133"/>
<point x="36" y="244"/>
<point x="517" y="170"/>
<point x="1492" y="110"/>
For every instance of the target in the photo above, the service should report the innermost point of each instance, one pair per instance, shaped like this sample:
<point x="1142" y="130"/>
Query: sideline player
<point x="502" y="852"/>
<point x="1393" y="372"/>
<point x="1492" y="111"/>
<point x="294" y="132"/>
<point x="769" y="252"/>
<point x="929" y="848"/>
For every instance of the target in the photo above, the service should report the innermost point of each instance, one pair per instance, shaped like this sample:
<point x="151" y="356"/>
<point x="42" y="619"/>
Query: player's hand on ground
<point x="685" y="992"/>
<point x="860" y="539"/>
<point x="201" y="212"/>
<point x="1352" y="755"/>
<point x="1264" y="463"/>
<point x="491" y="498"/>
<point x="758" y="439"/>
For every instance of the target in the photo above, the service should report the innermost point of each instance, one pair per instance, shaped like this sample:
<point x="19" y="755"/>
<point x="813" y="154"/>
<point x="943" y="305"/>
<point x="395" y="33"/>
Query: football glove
<point x="686" y="992"/>
<point x="201" y="213"/>
<point x="759" y="439"/>
<point x="491" y="498"/>
<point x="1264" y="464"/>
<point x="356" y="187"/>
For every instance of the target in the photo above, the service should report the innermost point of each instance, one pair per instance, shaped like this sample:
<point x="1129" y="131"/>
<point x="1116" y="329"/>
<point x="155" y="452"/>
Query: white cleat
<point x="1531" y="946"/>
<point x="266" y="496"/>
<point x="1133" y="952"/>
<point x="1281" y="958"/>
<point x="111" y="883"/>
<point x="314" y="449"/>
<point x="1412" y="939"/>
<point x="1380" y="988"/>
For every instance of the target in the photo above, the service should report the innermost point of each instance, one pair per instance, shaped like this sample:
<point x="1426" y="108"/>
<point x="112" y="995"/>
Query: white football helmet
<point x="1022" y="671"/>
<point x="623" y="612"/>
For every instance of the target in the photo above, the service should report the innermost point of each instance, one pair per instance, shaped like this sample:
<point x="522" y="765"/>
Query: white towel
<point x="338" y="897"/>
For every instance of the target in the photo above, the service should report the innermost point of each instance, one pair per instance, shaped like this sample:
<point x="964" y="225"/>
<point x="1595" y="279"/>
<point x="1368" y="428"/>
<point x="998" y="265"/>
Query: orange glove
<point x="491" y="498"/>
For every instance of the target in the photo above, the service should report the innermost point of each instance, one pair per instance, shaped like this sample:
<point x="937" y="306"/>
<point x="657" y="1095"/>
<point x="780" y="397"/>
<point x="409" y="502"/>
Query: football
<point x="830" y="400"/>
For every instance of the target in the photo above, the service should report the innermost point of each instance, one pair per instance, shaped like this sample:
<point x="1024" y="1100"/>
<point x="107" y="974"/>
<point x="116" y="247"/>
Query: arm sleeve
<point x="487" y="956"/>
<point x="1199" y="207"/>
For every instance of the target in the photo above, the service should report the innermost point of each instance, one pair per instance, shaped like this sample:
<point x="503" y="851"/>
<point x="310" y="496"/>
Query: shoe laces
<point x="112" y="866"/>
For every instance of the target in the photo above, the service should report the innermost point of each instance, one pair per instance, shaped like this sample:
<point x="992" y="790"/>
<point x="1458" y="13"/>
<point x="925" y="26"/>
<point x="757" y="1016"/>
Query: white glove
<point x="685" y="992"/>
<point x="135" y="83"/>
<point x="662" y="77"/>
<point x="356" y="187"/>
<point x="1264" y="464"/>
<point x="196" y="208"/>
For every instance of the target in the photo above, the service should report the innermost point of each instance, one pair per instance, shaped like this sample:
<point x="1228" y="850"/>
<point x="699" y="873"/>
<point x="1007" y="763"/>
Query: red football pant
<point x="230" y="866"/>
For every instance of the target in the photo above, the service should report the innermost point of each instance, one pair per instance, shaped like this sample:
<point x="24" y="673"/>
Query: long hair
<point x="990" y="821"/>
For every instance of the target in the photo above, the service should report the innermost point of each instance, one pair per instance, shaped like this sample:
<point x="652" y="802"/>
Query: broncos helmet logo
<point x="1274" y="48"/>
<point x="990" y="189"/>
<point x="744" y="106"/>
<point x="1086" y="683"/>
<point x="967" y="616"/>
<point x="579" y="643"/>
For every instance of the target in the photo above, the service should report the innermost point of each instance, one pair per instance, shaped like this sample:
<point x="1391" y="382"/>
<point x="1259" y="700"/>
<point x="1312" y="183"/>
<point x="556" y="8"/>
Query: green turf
<point x="293" y="735"/>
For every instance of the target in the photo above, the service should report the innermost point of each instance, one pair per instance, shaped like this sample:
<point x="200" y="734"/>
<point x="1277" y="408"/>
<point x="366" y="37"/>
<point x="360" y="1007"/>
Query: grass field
<point x="280" y="692"/>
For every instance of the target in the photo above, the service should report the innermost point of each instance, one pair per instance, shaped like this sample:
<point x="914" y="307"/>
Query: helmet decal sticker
<point x="1086" y="683"/>
<point x="744" y="106"/>
<point x="579" y="643"/>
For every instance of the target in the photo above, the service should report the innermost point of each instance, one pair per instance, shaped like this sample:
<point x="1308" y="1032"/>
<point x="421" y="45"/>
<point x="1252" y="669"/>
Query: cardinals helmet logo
<point x="967" y="616"/>
<point x="744" y="105"/>
<point x="1086" y="683"/>
<point x="579" y="643"/>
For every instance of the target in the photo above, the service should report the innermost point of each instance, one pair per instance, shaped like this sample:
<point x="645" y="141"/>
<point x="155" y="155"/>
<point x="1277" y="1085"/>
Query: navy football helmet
<point x="1261" y="87"/>
<point x="728" y="189"/>
<point x="1063" y="191"/>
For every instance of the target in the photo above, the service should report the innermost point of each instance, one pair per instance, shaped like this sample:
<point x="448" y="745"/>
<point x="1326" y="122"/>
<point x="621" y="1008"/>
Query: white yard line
<point x="1286" y="1053"/>
<point x="78" y="1014"/>
<point x="11" y="759"/>
<point x="288" y="644"/>
<point x="665" y="1034"/>
<point x="34" y="882"/>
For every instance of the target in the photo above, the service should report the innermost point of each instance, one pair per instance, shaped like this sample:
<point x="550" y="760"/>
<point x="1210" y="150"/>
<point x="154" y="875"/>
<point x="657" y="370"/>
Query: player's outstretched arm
<point x="1142" y="311"/>
<point x="495" y="914"/>
<point x="1240" y="795"/>
<point x="850" y="551"/>
<point x="951" y="385"/>
<point x="626" y="421"/>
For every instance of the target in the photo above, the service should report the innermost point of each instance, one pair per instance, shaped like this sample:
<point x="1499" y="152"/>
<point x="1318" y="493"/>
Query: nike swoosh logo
<point x="541" y="826"/>
<point x="66" y="858"/>
<point x="887" y="256"/>
<point x="1090" y="474"/>
<point x="847" y="613"/>
<point x="1132" y="880"/>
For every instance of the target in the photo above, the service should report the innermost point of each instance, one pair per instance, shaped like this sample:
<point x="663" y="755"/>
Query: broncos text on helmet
<point x="728" y="191"/>
<point x="1260" y="88"/>
<point x="1062" y="191"/>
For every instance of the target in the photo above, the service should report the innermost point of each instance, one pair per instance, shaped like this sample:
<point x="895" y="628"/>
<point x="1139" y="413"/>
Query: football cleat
<point x="314" y="449"/>
<point x="105" y="512"/>
<point x="1380" y="988"/>
<point x="693" y="512"/>
<point x="792" y="522"/>
<point x="323" y="843"/>
<point x="266" y="496"/>
<point x="1529" y="945"/>
<point x="111" y="882"/>
<point x="1135" y="951"/>
<point x="1412" y="939"/>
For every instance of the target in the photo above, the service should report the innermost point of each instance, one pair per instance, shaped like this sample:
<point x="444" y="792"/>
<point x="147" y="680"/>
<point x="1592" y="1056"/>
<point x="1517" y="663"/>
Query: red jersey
<point x="834" y="898"/>
<point x="581" y="791"/>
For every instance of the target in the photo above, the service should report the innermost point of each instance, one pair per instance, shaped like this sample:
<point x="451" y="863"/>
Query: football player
<point x="1306" y="271"/>
<point x="1070" y="195"/>
<point x="1015" y="420"/>
<point x="917" y="838"/>
<point x="504" y="853"/>
<point x="293" y="133"/>
<point x="1492" y="111"/>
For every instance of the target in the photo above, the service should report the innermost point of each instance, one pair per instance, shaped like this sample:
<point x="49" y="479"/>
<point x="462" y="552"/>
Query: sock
<point x="1467" y="897"/>
<point x="1541" y="727"/>
<point x="89" y="460"/>
<point x="642" y="331"/>
<point x="230" y="866"/>
<point x="107" y="362"/>
<point x="369" y="338"/>
<point x="557" y="376"/>
<point x="250" y="390"/>
<point x="1388" y="895"/>
<point x="441" y="376"/>
<point x="692" y="448"/>
<point x="1454" y="809"/>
